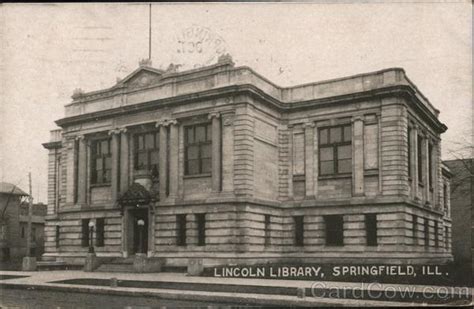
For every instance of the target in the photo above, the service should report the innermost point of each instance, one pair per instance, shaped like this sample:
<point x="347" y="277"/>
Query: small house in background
<point x="14" y="224"/>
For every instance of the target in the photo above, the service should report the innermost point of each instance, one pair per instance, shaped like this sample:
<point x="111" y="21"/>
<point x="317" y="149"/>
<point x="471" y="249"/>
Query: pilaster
<point x="81" y="170"/>
<point x="124" y="160"/>
<point x="216" y="152"/>
<point x="358" y="156"/>
<point x="173" y="158"/>
<point x="163" y="175"/>
<point x="309" y="158"/>
<point x="115" y="144"/>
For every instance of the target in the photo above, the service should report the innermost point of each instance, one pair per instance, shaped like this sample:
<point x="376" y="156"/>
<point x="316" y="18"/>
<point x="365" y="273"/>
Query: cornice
<point x="52" y="145"/>
<point x="255" y="92"/>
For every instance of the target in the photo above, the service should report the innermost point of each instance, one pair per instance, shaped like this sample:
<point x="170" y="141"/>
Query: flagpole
<point x="149" y="34"/>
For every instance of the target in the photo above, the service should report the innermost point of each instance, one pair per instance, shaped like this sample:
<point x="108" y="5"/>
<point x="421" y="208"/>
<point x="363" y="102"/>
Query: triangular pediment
<point x="141" y="77"/>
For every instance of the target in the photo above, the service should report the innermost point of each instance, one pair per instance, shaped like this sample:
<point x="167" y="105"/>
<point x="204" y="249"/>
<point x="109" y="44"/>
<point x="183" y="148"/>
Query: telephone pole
<point x="29" y="262"/>
<point x="30" y="210"/>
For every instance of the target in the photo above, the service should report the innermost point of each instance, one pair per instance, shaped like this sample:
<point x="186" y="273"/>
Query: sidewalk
<point x="233" y="290"/>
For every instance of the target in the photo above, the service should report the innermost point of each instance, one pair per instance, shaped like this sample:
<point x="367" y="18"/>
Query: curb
<point x="243" y="299"/>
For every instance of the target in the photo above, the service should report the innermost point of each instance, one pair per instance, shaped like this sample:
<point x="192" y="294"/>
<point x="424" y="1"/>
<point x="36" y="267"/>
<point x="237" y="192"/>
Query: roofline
<point x="404" y="90"/>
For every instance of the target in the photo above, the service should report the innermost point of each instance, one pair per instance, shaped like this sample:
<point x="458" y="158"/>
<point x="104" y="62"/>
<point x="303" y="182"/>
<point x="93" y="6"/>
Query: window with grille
<point x="267" y="230"/>
<point x="334" y="228"/>
<point x="99" y="232"/>
<point x="445" y="198"/>
<point x="147" y="152"/>
<point x="85" y="233"/>
<point x="427" y="233"/>
<point x="371" y="229"/>
<point x="335" y="150"/>
<point x="198" y="149"/>
<point x="446" y="237"/>
<point x="201" y="229"/>
<point x="299" y="230"/>
<point x="414" y="229"/>
<point x="58" y="231"/>
<point x="101" y="162"/>
<point x="181" y="229"/>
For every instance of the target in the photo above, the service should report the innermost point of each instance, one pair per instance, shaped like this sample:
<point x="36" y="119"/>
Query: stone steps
<point x="52" y="265"/>
<point x="116" y="267"/>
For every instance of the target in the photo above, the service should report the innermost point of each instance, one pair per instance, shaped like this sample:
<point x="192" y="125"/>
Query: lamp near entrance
<point x="91" y="237"/>
<point x="140" y="224"/>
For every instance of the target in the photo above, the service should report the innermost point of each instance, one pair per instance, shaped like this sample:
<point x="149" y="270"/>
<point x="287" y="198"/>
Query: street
<point x="21" y="298"/>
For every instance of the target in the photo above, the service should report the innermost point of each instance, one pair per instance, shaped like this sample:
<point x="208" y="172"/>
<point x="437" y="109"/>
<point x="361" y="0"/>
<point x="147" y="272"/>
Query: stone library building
<point x="222" y="165"/>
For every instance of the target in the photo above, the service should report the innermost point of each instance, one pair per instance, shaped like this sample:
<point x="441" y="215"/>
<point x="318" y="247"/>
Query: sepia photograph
<point x="236" y="154"/>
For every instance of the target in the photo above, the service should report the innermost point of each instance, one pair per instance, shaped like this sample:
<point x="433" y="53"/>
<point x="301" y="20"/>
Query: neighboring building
<point x="221" y="164"/>
<point x="14" y="221"/>
<point x="461" y="201"/>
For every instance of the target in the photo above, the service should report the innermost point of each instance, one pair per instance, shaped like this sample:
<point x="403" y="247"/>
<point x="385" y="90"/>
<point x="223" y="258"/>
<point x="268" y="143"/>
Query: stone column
<point x="424" y="168"/>
<point x="71" y="181"/>
<point x="411" y="154"/>
<point x="82" y="171"/>
<point x="427" y="171"/>
<point x="228" y="153"/>
<point x="173" y="158"/>
<point x="163" y="159"/>
<point x="216" y="152"/>
<point x="358" y="155"/>
<point x="124" y="160"/>
<point x="308" y="164"/>
<point x="315" y="160"/>
<point x="115" y="164"/>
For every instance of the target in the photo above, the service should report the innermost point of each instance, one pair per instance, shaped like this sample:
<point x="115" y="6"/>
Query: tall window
<point x="436" y="235"/>
<point x="334" y="226"/>
<point x="198" y="140"/>
<point x="445" y="197"/>
<point x="430" y="166"/>
<point x="99" y="232"/>
<point x="409" y="152"/>
<point x="419" y="160"/>
<point x="201" y="229"/>
<point x="427" y="233"/>
<point x="371" y="229"/>
<point x="335" y="150"/>
<point x="22" y="232"/>
<point x="147" y="152"/>
<point x="267" y="230"/>
<point x="85" y="233"/>
<point x="101" y="161"/>
<point x="299" y="230"/>
<point x="181" y="229"/>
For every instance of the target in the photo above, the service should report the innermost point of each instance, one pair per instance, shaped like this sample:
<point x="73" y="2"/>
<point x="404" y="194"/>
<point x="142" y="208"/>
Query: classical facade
<point x="219" y="163"/>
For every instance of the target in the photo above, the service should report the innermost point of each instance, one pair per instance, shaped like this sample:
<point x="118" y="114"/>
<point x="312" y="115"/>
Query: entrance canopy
<point x="137" y="195"/>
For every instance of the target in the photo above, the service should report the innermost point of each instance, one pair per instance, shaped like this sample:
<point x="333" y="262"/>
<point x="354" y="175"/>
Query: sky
<point x="48" y="50"/>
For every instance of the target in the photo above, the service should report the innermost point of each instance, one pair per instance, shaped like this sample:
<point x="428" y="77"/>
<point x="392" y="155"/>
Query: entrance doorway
<point x="139" y="231"/>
